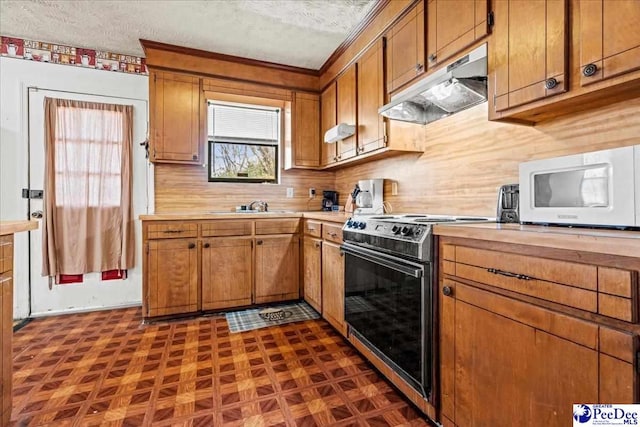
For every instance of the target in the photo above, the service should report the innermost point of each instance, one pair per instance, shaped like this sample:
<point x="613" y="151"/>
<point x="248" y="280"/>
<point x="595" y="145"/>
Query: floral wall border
<point x="14" y="47"/>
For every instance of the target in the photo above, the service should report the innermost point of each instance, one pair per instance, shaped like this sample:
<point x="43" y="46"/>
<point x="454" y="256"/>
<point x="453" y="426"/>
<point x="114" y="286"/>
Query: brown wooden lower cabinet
<point x="217" y="264"/>
<point x="312" y="275"/>
<point x="506" y="359"/>
<point x="276" y="265"/>
<point x="172" y="277"/>
<point x="227" y="272"/>
<point x="6" y="331"/>
<point x="333" y="286"/>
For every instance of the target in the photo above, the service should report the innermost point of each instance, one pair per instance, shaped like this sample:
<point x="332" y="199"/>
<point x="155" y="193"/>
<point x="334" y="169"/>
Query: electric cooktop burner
<point x="442" y="219"/>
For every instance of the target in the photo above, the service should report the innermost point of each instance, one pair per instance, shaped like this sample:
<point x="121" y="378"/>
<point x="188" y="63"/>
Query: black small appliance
<point x="508" y="207"/>
<point x="329" y="200"/>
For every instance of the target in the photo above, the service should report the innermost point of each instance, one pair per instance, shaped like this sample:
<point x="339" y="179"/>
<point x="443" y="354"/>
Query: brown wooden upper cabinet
<point x="176" y="135"/>
<point x="405" y="48"/>
<point x="609" y="39"/>
<point x="453" y="25"/>
<point x="328" y="119"/>
<point x="306" y="129"/>
<point x="371" y="96"/>
<point x="346" y="110"/>
<point x="529" y="59"/>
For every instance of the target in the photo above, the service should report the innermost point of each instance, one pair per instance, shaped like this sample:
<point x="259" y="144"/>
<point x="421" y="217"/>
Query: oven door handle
<point x="371" y="256"/>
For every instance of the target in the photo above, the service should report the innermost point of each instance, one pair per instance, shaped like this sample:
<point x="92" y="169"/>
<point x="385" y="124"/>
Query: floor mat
<point x="256" y="318"/>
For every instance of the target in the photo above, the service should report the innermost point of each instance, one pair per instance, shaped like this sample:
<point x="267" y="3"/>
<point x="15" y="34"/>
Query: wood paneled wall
<point x="184" y="188"/>
<point x="466" y="158"/>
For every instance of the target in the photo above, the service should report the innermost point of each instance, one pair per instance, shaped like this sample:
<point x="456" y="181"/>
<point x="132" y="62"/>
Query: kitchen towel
<point x="256" y="318"/>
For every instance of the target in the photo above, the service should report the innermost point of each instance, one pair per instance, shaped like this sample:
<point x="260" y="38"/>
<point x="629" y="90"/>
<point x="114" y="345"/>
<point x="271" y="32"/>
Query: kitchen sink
<point x="250" y="212"/>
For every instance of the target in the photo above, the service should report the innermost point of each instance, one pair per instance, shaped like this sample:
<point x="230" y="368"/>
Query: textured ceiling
<point x="302" y="33"/>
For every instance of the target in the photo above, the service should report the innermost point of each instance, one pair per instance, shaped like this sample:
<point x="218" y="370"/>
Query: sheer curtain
<point x="88" y="225"/>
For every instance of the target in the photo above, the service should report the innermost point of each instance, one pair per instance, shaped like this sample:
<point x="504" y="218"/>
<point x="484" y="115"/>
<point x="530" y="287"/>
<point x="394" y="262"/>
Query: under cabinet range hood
<point x="339" y="132"/>
<point x="452" y="88"/>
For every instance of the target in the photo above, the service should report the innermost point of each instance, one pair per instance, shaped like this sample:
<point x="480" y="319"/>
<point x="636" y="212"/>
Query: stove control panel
<point x="396" y="230"/>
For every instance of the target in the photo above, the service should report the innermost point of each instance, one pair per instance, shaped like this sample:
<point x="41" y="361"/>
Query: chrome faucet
<point x="260" y="206"/>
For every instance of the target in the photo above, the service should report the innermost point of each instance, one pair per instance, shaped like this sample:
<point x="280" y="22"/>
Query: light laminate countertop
<point x="602" y="241"/>
<point x="318" y="215"/>
<point x="12" y="227"/>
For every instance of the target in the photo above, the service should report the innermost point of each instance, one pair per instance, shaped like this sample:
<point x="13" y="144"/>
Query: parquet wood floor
<point x="106" y="368"/>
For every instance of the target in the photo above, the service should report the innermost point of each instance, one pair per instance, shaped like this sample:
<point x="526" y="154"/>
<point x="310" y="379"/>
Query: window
<point x="243" y="142"/>
<point x="88" y="157"/>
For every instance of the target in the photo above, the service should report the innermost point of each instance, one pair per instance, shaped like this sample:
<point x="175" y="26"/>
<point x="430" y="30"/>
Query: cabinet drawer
<point x="227" y="228"/>
<point x="607" y="291"/>
<point x="332" y="233"/>
<point x="277" y="226"/>
<point x="172" y="230"/>
<point x="6" y="253"/>
<point x="562" y="282"/>
<point x="312" y="228"/>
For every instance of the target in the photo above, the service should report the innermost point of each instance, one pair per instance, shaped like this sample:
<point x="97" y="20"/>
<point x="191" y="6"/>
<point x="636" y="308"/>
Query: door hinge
<point x="147" y="247"/>
<point x="490" y="19"/>
<point x="638" y="361"/>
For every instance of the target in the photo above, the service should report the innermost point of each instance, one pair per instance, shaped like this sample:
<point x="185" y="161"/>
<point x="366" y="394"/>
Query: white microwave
<point x="601" y="189"/>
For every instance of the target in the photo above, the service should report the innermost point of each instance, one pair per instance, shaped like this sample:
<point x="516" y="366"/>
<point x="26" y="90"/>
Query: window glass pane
<point x="227" y="121"/>
<point x="243" y="161"/>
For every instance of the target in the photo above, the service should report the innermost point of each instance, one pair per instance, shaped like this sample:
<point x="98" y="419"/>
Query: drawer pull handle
<point x="334" y="235"/>
<point x="509" y="274"/>
<point x="173" y="231"/>
<point x="311" y="229"/>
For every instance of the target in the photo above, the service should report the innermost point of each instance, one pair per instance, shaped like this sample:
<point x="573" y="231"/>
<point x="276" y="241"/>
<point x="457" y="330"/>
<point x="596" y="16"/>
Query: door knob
<point x="550" y="83"/>
<point x="589" y="70"/>
<point x="36" y="214"/>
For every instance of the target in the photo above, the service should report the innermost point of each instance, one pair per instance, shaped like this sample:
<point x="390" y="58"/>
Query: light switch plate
<point x="289" y="192"/>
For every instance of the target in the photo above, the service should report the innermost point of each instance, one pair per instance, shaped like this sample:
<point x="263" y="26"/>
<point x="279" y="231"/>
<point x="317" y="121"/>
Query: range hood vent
<point x="459" y="85"/>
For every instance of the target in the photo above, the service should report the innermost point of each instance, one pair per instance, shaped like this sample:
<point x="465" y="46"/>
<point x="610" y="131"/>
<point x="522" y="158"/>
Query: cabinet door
<point x="451" y="29"/>
<point x="405" y="48"/>
<point x="227" y="267"/>
<point x="346" y="109"/>
<point x="327" y="121"/>
<point x="312" y="265"/>
<point x="277" y="269"/>
<point x="333" y="286"/>
<point x="306" y="126"/>
<point x="530" y="51"/>
<point x="6" y="334"/>
<point x="175" y="120"/>
<point x="371" y="125"/>
<point x="172" y="277"/>
<point x="609" y="39"/>
<point x="494" y="349"/>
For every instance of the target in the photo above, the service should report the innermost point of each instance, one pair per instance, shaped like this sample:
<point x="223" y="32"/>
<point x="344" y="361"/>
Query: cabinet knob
<point x="550" y="83"/>
<point x="195" y="157"/>
<point x="419" y="67"/>
<point x="258" y="242"/>
<point x="192" y="245"/>
<point x="432" y="57"/>
<point x="317" y="244"/>
<point x="447" y="291"/>
<point x="589" y="70"/>
<point x="207" y="245"/>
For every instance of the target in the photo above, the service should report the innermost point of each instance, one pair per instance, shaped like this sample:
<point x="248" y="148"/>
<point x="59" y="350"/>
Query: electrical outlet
<point x="289" y="192"/>
<point x="312" y="192"/>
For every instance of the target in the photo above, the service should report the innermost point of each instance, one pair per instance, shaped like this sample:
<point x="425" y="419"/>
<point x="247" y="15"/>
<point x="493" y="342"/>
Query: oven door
<point x="388" y="308"/>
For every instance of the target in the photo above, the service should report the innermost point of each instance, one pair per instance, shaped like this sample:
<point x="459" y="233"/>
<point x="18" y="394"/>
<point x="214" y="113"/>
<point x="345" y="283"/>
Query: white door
<point x="92" y="293"/>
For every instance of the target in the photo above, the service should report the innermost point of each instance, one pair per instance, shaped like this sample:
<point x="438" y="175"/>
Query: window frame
<point x="212" y="140"/>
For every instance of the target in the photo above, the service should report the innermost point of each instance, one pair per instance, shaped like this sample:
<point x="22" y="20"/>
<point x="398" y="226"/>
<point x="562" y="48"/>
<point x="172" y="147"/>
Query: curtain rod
<point x="36" y="89"/>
